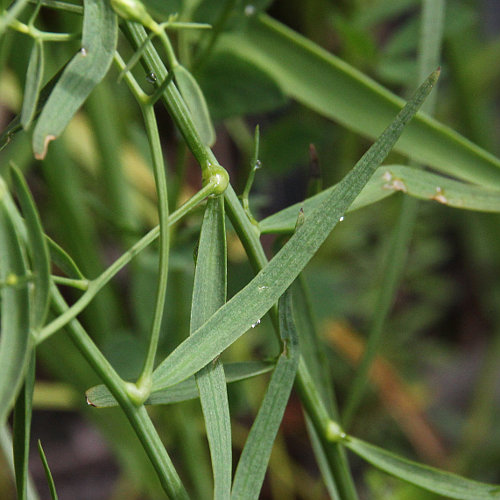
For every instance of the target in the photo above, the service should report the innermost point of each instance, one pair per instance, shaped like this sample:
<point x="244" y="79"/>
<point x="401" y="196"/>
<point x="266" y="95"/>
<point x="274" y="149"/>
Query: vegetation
<point x="276" y="362"/>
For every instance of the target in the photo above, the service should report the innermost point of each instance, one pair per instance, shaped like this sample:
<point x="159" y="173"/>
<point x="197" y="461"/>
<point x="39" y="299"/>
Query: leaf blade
<point x="39" y="250"/>
<point x="87" y="68"/>
<point x="388" y="180"/>
<point x="15" y="341"/>
<point x="255" y="456"/>
<point x="334" y="89"/>
<point x="209" y="293"/>
<point x="255" y="299"/>
<point x="429" y="478"/>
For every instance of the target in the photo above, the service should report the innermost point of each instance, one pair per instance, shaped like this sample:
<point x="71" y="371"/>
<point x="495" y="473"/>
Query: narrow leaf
<point x="34" y="77"/>
<point x="255" y="299"/>
<point x="429" y="478"/>
<point x="22" y="430"/>
<point x="209" y="293"/>
<point x="388" y="180"/>
<point x="193" y="96"/>
<point x="336" y="90"/>
<point x="100" y="396"/>
<point x="87" y="68"/>
<point x="63" y="260"/>
<point x="48" y="474"/>
<point x="15" y="310"/>
<point x="38" y="249"/>
<point x="257" y="450"/>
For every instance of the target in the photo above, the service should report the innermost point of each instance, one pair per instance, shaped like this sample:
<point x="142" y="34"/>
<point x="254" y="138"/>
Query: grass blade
<point x="15" y="310"/>
<point x="257" y="450"/>
<point x="388" y="180"/>
<point x="100" y="396"/>
<point x="209" y="293"/>
<point x="34" y="77"/>
<point x="253" y="301"/>
<point x="38" y="249"/>
<point x="21" y="431"/>
<point x="429" y="478"/>
<point x="87" y="68"/>
<point x="48" y="474"/>
<point x="328" y="85"/>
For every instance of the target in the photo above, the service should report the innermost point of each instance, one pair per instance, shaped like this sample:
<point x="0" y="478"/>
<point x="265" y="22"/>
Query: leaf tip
<point x="40" y="155"/>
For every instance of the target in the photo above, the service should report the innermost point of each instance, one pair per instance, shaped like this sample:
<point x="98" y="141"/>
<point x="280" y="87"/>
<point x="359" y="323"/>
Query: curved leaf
<point x="390" y="179"/>
<point x="195" y="100"/>
<point x="429" y="478"/>
<point x="87" y="68"/>
<point x="38" y="249"/>
<point x="15" y="310"/>
<point x="334" y="89"/>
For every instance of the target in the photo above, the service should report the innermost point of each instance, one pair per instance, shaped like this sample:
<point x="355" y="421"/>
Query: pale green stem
<point x="244" y="228"/>
<point x="97" y="284"/>
<point x="74" y="283"/>
<point x="137" y="416"/>
<point x="144" y="381"/>
<point x="8" y="16"/>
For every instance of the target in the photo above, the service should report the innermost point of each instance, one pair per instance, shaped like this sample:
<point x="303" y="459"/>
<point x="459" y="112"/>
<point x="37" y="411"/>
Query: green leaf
<point x="34" y="77"/>
<point x="257" y="450"/>
<point x="100" y="396"/>
<point x="22" y="429"/>
<point x="429" y="478"/>
<point x="254" y="300"/>
<point x="63" y="260"/>
<point x="193" y="96"/>
<point x="15" y="310"/>
<point x="87" y="68"/>
<point x="328" y="85"/>
<point x="209" y="293"/>
<point x="38" y="249"/>
<point x="234" y="86"/>
<point x="48" y="474"/>
<point x="391" y="179"/>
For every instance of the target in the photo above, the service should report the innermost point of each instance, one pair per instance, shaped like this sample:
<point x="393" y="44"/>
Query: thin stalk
<point x="172" y="99"/>
<point x="311" y="399"/>
<point x="144" y="382"/>
<point x="137" y="415"/>
<point x="8" y="16"/>
<point x="74" y="283"/>
<point x="393" y="268"/>
<point x="97" y="284"/>
<point x="244" y="228"/>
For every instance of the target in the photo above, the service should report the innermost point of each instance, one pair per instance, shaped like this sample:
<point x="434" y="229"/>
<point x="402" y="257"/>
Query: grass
<point x="101" y="208"/>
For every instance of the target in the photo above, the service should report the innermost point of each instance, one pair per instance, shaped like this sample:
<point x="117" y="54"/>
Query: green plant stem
<point x="244" y="228"/>
<point x="44" y="36"/>
<point x="311" y="399"/>
<point x="74" y="283"/>
<point x="172" y="98"/>
<point x="97" y="284"/>
<point x="144" y="382"/>
<point x="137" y="415"/>
<point x="9" y="15"/>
